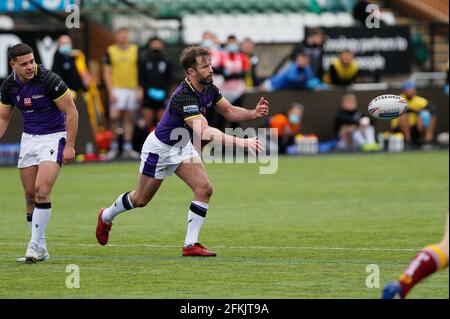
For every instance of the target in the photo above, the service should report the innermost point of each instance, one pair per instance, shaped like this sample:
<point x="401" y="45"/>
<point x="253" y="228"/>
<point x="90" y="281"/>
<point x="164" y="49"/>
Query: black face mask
<point x="155" y="52"/>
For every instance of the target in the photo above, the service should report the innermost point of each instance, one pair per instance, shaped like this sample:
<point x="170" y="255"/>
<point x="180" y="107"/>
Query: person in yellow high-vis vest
<point x="120" y="72"/>
<point x="343" y="70"/>
<point x="419" y="122"/>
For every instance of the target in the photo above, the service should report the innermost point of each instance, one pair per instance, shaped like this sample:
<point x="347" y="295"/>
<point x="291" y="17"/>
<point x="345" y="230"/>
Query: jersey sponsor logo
<point x="18" y="98"/>
<point x="190" y="109"/>
<point x="27" y="102"/>
<point x="37" y="97"/>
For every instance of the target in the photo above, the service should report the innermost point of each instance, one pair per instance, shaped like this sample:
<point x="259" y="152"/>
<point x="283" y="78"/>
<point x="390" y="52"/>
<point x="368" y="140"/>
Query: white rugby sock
<point x="122" y="203"/>
<point x="196" y="217"/>
<point x="41" y="215"/>
<point x="42" y="242"/>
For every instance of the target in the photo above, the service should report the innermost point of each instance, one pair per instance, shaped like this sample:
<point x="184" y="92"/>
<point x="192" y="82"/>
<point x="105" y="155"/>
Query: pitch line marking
<point x="225" y="247"/>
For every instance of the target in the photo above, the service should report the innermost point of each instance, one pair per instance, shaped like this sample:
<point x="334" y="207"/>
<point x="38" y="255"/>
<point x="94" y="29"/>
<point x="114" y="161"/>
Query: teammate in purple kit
<point x="50" y="124"/>
<point x="163" y="154"/>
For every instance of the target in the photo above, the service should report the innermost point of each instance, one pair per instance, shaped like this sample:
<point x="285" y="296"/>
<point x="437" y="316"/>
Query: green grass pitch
<point x="308" y="231"/>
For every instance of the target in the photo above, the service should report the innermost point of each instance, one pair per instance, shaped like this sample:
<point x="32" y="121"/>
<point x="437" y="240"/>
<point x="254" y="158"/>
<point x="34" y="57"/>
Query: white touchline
<point x="226" y="247"/>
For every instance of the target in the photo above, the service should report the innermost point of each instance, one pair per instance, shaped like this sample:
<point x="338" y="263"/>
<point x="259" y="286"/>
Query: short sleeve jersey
<point x="185" y="103"/>
<point x="36" y="100"/>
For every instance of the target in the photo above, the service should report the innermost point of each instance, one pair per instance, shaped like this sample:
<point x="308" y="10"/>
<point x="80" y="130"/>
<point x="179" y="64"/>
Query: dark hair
<point x="301" y="53"/>
<point x="188" y="58"/>
<point x="232" y="37"/>
<point x="154" y="38"/>
<point x="315" y="31"/>
<point x="19" y="50"/>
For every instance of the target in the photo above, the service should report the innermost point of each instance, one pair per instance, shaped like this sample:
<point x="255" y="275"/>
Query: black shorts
<point x="152" y="104"/>
<point x="154" y="98"/>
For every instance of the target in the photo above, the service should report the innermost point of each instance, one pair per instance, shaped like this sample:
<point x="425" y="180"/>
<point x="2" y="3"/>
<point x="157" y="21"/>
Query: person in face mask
<point x="287" y="126"/>
<point x="64" y="64"/>
<point x="155" y="78"/>
<point x="234" y="66"/>
<point x="312" y="46"/>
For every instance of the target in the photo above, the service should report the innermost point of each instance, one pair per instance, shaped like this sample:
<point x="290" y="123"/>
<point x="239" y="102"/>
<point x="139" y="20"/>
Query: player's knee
<point x="205" y="191"/>
<point x="42" y="194"/>
<point x="30" y="197"/>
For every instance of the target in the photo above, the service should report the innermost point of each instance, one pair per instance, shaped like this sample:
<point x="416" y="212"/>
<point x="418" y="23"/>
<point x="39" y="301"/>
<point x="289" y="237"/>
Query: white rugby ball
<point x="387" y="107"/>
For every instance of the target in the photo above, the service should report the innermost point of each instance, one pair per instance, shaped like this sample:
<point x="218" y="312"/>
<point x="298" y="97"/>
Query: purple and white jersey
<point x="185" y="103"/>
<point x="36" y="100"/>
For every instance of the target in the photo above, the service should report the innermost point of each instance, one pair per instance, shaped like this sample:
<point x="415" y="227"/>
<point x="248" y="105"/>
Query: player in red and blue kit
<point x="168" y="149"/>
<point x="50" y="124"/>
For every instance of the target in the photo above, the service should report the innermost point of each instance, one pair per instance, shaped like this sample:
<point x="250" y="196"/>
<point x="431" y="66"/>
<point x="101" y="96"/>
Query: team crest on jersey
<point x="27" y="102"/>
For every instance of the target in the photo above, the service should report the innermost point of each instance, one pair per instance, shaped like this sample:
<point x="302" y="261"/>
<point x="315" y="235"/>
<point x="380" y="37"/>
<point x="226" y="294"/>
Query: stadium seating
<point x="180" y="8"/>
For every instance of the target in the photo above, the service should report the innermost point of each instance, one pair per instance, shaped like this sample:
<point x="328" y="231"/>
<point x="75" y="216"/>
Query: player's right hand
<point x="68" y="155"/>
<point x="253" y="145"/>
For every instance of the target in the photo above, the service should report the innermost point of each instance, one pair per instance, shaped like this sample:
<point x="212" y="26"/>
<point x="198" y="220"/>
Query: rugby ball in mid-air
<point x="387" y="107"/>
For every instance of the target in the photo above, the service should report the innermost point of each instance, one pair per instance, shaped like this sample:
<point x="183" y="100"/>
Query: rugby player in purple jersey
<point x="167" y="150"/>
<point x="50" y="124"/>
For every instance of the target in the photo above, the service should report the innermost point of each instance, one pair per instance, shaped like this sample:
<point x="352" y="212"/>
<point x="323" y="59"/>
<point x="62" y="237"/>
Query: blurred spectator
<point x="294" y="76"/>
<point x="212" y="44"/>
<point x="419" y="122"/>
<point x="70" y="64"/>
<point x="312" y="46"/>
<point x="287" y="126"/>
<point x="234" y="67"/>
<point x="65" y="65"/>
<point x="120" y="72"/>
<point x="343" y="70"/>
<point x="155" y="78"/>
<point x="352" y="128"/>
<point x="251" y="79"/>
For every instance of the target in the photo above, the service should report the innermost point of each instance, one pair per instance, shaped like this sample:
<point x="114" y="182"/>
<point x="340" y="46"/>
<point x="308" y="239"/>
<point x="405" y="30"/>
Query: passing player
<point x="50" y="123"/>
<point x="163" y="154"/>
<point x="428" y="261"/>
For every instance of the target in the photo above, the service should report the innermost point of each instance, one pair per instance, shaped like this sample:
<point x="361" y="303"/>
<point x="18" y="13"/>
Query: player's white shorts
<point x="159" y="160"/>
<point x="35" y="149"/>
<point x="126" y="99"/>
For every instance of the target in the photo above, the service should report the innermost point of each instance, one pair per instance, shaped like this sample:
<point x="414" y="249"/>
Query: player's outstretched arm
<point x="201" y="128"/>
<point x="5" y="115"/>
<point x="239" y="114"/>
<point x="67" y="106"/>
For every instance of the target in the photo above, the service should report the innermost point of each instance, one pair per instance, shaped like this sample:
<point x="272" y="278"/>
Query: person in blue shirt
<point x="296" y="75"/>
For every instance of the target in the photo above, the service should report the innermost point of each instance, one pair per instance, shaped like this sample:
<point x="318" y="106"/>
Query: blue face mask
<point x="294" y="119"/>
<point x="65" y="49"/>
<point x="233" y="48"/>
<point x="208" y="44"/>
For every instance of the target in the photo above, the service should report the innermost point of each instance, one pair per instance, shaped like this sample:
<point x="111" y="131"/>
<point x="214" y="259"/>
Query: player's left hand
<point x="262" y="108"/>
<point x="68" y="155"/>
